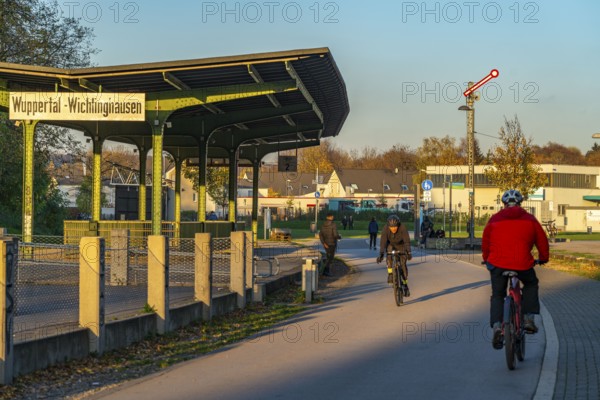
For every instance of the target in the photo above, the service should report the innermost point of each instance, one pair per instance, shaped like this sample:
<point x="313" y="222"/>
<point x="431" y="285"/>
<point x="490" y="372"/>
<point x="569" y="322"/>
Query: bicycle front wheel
<point x="398" y="295"/>
<point x="520" y="342"/>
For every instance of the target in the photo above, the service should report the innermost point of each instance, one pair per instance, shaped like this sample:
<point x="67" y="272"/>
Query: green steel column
<point x="255" y="177"/>
<point x="178" y="164"/>
<point x="157" y="146"/>
<point x="142" y="187"/>
<point x="232" y="184"/>
<point x="29" y="136"/>
<point x="97" y="180"/>
<point x="202" y="153"/>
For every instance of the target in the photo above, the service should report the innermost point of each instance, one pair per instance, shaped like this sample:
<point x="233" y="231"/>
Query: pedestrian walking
<point x="373" y="229"/>
<point x="344" y="222"/>
<point x="350" y="222"/>
<point x="426" y="231"/>
<point x="329" y="237"/>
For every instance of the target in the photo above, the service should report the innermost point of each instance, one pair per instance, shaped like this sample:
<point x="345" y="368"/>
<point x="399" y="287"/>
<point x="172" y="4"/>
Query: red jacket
<point x="508" y="239"/>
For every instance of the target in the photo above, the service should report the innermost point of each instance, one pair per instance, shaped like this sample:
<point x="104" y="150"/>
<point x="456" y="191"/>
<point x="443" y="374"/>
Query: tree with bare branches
<point x="513" y="162"/>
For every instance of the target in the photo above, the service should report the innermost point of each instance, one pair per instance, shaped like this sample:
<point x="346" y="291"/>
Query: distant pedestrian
<point x="426" y="230"/>
<point x="329" y="237"/>
<point x="344" y="222"/>
<point x="373" y="229"/>
<point x="350" y="222"/>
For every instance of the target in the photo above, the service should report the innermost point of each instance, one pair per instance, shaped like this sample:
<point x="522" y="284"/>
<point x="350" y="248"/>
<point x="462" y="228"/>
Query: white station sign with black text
<point x="70" y="106"/>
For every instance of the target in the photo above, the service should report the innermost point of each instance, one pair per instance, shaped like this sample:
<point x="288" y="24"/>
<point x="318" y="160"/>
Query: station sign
<point x="77" y="106"/>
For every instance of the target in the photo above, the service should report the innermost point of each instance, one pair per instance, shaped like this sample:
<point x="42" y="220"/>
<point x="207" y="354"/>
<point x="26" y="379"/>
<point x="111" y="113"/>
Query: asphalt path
<point x="360" y="345"/>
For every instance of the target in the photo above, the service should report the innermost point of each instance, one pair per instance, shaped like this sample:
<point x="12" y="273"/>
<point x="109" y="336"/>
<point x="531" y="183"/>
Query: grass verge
<point x="580" y="268"/>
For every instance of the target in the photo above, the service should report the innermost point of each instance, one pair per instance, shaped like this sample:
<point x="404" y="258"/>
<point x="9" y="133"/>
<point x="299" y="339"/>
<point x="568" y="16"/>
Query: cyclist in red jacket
<point x="508" y="239"/>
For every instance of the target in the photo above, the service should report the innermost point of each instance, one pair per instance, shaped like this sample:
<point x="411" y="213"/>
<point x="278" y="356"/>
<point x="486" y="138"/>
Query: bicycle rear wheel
<point x="509" y="333"/>
<point x="398" y="295"/>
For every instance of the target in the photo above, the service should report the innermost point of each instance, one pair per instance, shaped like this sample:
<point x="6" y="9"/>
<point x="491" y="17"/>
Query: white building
<point x="571" y="195"/>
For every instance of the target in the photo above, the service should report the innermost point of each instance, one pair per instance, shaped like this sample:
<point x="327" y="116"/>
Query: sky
<point x="405" y="63"/>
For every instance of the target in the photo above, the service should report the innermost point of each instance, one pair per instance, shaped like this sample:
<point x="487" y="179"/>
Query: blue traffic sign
<point x="427" y="184"/>
<point x="317" y="194"/>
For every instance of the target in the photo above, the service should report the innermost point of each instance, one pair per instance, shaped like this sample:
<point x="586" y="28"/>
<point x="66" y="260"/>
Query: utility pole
<point x="450" y="224"/>
<point x="471" y="96"/>
<point x="417" y="207"/>
<point x="317" y="199"/>
<point x="471" y="157"/>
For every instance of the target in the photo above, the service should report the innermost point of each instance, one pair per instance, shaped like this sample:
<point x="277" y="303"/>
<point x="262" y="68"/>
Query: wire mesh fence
<point x="221" y="265"/>
<point x="126" y="276"/>
<point x="46" y="287"/>
<point x="47" y="279"/>
<point x="181" y="270"/>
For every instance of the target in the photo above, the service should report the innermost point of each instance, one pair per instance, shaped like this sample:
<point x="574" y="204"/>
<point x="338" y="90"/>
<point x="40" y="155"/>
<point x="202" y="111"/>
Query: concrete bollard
<point x="9" y="252"/>
<point x="307" y="281"/>
<point x="158" y="280"/>
<point x="203" y="273"/>
<point x="91" y="290"/>
<point x="238" y="268"/>
<point x="310" y="277"/>
<point x="119" y="262"/>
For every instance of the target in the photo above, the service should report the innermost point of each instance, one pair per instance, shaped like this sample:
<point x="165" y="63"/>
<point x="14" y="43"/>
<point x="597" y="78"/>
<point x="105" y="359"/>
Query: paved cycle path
<point x="361" y="345"/>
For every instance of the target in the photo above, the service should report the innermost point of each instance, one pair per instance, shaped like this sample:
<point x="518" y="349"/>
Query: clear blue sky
<point x="403" y="62"/>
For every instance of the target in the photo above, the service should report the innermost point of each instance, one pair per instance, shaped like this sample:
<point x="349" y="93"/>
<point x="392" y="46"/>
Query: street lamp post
<point x="459" y="215"/>
<point x="470" y="109"/>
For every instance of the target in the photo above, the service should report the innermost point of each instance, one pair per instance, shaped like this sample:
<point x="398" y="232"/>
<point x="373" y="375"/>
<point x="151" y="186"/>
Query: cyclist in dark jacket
<point x="394" y="236"/>
<point x="329" y="236"/>
<point x="508" y="239"/>
<point x="373" y="229"/>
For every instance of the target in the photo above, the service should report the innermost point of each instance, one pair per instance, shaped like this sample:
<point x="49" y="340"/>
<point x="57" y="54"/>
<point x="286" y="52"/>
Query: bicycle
<point x="398" y="278"/>
<point x="513" y="331"/>
<point x="551" y="228"/>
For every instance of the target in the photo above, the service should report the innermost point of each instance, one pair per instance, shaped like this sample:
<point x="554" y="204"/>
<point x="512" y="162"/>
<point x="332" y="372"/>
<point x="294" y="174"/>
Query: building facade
<point x="570" y="194"/>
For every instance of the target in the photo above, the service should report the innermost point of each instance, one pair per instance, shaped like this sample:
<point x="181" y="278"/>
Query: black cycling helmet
<point x="393" y="220"/>
<point x="512" y="197"/>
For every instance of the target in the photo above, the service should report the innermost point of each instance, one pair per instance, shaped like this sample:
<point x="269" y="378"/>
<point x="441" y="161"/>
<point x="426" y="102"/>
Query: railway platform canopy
<point x="233" y="110"/>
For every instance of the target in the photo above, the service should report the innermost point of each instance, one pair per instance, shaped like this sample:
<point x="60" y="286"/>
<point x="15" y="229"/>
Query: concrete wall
<point x="124" y="332"/>
<point x="185" y="315"/>
<point x="42" y="353"/>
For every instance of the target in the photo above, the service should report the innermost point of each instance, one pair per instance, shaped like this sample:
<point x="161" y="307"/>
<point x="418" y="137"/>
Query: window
<point x="576" y="181"/>
<point x="562" y="209"/>
<point x="194" y="197"/>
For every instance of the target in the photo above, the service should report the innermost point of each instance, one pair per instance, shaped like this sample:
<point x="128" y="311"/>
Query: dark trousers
<point x="373" y="240"/>
<point x="330" y="252"/>
<point x="530" y="299"/>
<point x="402" y="263"/>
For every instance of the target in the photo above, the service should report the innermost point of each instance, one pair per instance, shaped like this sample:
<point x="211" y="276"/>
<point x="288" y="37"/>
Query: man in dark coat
<point x="329" y="236"/>
<point x="373" y="229"/>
